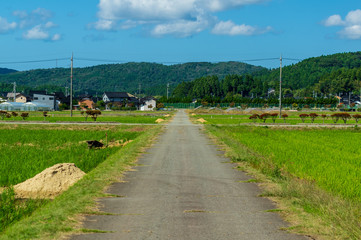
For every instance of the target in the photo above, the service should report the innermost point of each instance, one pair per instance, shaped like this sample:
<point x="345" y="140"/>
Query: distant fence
<point x="248" y="105"/>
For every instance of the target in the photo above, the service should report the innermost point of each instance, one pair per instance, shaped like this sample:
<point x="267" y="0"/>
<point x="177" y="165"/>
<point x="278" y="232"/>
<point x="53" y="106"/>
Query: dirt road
<point x="185" y="189"/>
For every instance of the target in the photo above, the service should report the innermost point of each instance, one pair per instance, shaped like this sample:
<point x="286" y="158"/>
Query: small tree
<point x="254" y="117"/>
<point x="263" y="117"/>
<point x="244" y="106"/>
<point x="345" y="117"/>
<point x="150" y="106"/>
<point x="284" y="116"/>
<point x="93" y="114"/>
<point x="324" y="116"/>
<point x="294" y="106"/>
<point x="24" y="115"/>
<point x="8" y="115"/>
<point x="335" y="117"/>
<point x="45" y="114"/>
<point x="356" y="117"/>
<point x="231" y="105"/>
<point x="274" y="117"/>
<point x="160" y="105"/>
<point x="303" y="117"/>
<point x="2" y="114"/>
<point x="313" y="116"/>
<point x="14" y="114"/>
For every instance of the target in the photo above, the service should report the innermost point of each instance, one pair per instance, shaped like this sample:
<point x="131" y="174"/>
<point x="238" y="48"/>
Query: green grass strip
<point x="60" y="215"/>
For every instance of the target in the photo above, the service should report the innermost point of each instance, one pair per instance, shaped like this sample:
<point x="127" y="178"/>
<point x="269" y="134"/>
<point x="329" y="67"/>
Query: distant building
<point x="86" y="103"/>
<point x="19" y="97"/>
<point x="47" y="100"/>
<point x="123" y="98"/>
<point x="148" y="104"/>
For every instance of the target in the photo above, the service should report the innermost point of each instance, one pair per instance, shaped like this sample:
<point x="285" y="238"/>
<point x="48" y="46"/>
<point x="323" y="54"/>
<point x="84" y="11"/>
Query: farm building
<point x="29" y="106"/>
<point x="148" y="104"/>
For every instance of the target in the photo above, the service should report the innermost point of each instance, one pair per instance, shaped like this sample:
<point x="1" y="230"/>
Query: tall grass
<point x="27" y="150"/>
<point x="12" y="209"/>
<point x="316" y="170"/>
<point x="330" y="157"/>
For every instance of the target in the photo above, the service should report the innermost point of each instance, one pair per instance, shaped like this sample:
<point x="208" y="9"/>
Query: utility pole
<point x="14" y="92"/>
<point x="167" y="90"/>
<point x="140" y="86"/>
<point x="280" y="86"/>
<point x="71" y="86"/>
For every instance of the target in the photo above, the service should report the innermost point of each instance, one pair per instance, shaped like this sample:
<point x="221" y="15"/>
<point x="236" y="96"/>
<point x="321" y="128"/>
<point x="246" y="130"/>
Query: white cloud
<point x="351" y="24"/>
<point x="56" y="37"/>
<point x="334" y="20"/>
<point x="180" y="28"/>
<point x="37" y="33"/>
<point x="6" y="26"/>
<point x="103" y="24"/>
<point x="40" y="32"/>
<point x="49" y="25"/>
<point x="351" y="32"/>
<point x="230" y="28"/>
<point x="354" y="17"/>
<point x="174" y="17"/>
<point x="35" y="17"/>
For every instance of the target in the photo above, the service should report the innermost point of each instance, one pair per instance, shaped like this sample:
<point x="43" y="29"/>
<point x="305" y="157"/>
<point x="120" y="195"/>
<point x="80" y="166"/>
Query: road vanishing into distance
<point x="185" y="189"/>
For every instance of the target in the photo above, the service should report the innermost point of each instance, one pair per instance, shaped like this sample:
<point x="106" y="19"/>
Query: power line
<point x="123" y="61"/>
<point x="35" y="61"/>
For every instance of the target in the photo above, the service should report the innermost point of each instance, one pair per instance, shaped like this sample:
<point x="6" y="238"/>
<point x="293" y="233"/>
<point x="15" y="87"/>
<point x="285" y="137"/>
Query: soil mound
<point x="159" y="120"/>
<point x="50" y="182"/>
<point x="201" y="120"/>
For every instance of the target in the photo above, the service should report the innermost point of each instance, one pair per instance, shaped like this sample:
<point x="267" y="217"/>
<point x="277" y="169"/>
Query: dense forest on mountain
<point x="6" y="71"/>
<point x="126" y="77"/>
<point x="331" y="75"/>
<point x="302" y="77"/>
<point x="322" y="76"/>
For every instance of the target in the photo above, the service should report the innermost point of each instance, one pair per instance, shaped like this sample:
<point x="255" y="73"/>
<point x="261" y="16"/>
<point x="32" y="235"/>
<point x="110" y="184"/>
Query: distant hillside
<point x="127" y="77"/>
<point x="6" y="70"/>
<point x="319" y="76"/>
<point x="310" y="71"/>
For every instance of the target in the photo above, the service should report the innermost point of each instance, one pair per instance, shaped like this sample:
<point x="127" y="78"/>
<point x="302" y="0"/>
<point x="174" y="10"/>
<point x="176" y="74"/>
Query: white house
<point x="47" y="100"/>
<point x="148" y="104"/>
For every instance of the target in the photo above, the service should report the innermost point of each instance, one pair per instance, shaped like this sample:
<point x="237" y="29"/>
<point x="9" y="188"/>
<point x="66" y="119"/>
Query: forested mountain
<point x="6" y="71"/>
<point x="321" y="76"/>
<point x="127" y="77"/>
<point x="304" y="75"/>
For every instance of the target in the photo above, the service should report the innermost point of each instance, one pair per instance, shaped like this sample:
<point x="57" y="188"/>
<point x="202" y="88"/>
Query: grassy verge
<point x="61" y="215"/>
<point x="312" y="207"/>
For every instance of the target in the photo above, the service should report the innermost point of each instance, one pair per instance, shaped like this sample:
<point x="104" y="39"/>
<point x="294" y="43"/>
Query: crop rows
<point x="330" y="157"/>
<point x="27" y="150"/>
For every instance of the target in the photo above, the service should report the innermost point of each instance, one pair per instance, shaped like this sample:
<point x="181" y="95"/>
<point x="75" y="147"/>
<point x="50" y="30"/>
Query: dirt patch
<point x="118" y="143"/>
<point x="50" y="182"/>
<point x="159" y="120"/>
<point x="201" y="120"/>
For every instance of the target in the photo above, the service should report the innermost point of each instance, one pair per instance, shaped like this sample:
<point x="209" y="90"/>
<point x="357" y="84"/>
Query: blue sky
<point x="167" y="31"/>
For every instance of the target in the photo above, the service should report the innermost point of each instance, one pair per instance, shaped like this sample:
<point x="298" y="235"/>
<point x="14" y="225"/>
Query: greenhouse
<point x="29" y="106"/>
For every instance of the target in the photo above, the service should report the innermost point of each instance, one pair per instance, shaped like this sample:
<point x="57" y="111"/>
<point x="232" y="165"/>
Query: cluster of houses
<point x="41" y="101"/>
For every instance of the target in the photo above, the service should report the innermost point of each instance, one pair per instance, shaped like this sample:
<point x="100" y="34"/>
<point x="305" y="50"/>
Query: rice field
<point x="112" y="116"/>
<point x="27" y="150"/>
<point x="292" y="119"/>
<point x="329" y="157"/>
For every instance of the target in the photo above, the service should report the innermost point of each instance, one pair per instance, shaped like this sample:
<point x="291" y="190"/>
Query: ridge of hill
<point x="153" y="77"/>
<point x="309" y="72"/>
<point x="6" y="70"/>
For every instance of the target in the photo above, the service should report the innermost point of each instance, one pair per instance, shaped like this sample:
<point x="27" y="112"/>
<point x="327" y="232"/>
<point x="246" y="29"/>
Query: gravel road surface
<point x="184" y="188"/>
